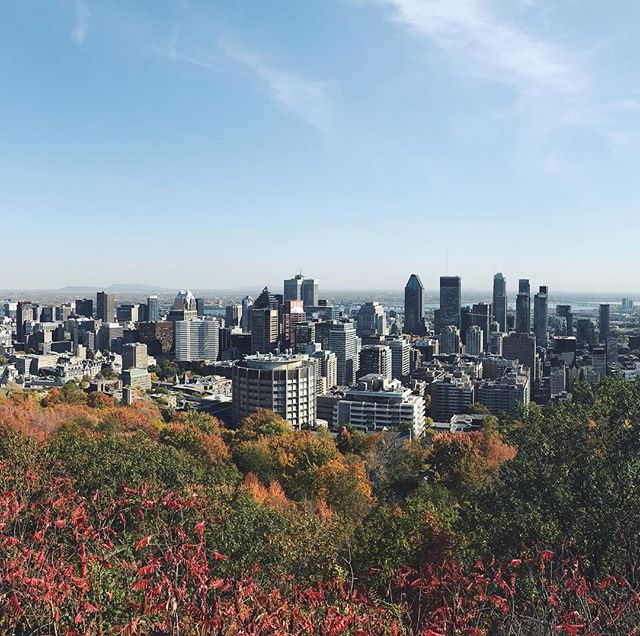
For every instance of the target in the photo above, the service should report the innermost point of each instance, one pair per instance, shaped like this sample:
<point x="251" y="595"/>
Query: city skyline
<point x="186" y="135"/>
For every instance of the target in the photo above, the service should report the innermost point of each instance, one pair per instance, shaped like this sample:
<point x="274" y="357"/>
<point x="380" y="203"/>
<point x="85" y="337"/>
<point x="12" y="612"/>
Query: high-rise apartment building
<point x="284" y="384"/>
<point x="414" y="306"/>
<point x="506" y="394"/>
<point x="451" y="395"/>
<point x="197" y="340"/>
<point x="105" y="306"/>
<point x="376" y="359"/>
<point x="500" y="300"/>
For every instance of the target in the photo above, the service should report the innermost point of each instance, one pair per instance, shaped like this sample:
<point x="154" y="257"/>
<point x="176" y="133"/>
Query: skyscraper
<point x="475" y="341"/>
<point x="481" y="316"/>
<point x="450" y="339"/>
<point x="564" y="311"/>
<point x="523" y="306"/>
<point x="521" y="347"/>
<point x="264" y="330"/>
<point x="84" y="307"/>
<point x="605" y="311"/>
<point x="450" y="301"/>
<point x="105" y="306"/>
<point x="541" y="315"/>
<point x="342" y="341"/>
<point x="500" y="300"/>
<point x="233" y="315"/>
<point x="414" y="306"/>
<point x="153" y="309"/>
<point x="309" y="292"/>
<point x="293" y="288"/>
<point x="372" y="320"/>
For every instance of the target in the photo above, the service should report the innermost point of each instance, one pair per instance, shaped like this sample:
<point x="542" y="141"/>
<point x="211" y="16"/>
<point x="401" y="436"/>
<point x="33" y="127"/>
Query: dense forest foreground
<point x="127" y="520"/>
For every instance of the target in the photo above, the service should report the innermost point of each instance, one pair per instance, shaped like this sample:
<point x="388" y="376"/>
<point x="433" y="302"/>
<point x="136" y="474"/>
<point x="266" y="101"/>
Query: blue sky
<point x="210" y="144"/>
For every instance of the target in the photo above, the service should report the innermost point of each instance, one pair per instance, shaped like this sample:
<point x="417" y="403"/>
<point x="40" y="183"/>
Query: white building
<point x="376" y="403"/>
<point x="196" y="340"/>
<point x="284" y="384"/>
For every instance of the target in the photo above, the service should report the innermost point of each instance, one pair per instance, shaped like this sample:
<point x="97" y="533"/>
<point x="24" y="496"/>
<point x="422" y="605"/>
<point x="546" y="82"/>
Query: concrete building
<point x="184" y="307"/>
<point x="134" y="356"/>
<point x="137" y="379"/>
<point x="506" y="394"/>
<point x="293" y="314"/>
<point x="475" y="341"/>
<point x="450" y="339"/>
<point x="233" y="315"/>
<point x="400" y="357"/>
<point x="264" y="330"/>
<point x="371" y="320"/>
<point x="158" y="336"/>
<point x="481" y="317"/>
<point x="450" y="395"/>
<point x="326" y="368"/>
<point x="376" y="360"/>
<point x="377" y="404"/>
<point x="284" y="384"/>
<point x="197" y="340"/>
<point x="521" y="347"/>
<point x="105" y="306"/>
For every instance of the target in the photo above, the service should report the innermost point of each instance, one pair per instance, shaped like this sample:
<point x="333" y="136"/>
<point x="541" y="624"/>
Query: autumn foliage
<point x="125" y="520"/>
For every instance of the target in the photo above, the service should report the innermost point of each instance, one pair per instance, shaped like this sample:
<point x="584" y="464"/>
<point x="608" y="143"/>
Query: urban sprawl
<point x="320" y="364"/>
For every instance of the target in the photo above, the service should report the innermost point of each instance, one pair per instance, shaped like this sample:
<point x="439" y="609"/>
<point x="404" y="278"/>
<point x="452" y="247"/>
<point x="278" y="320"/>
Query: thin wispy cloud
<point x="176" y="55"/>
<point x="307" y="100"/>
<point x="490" y="46"/>
<point x="81" y="25"/>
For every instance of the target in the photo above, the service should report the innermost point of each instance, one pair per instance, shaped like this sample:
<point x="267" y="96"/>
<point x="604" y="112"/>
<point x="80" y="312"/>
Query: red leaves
<point x="199" y="529"/>
<point x="145" y="541"/>
<point x="219" y="557"/>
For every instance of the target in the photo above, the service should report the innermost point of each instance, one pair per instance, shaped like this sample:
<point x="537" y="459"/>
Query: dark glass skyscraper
<point x="414" y="306"/>
<point x="450" y="301"/>
<point x="500" y="300"/>
<point x="523" y="306"/>
<point x="541" y="315"/>
<point x="604" y="322"/>
<point x="481" y="317"/>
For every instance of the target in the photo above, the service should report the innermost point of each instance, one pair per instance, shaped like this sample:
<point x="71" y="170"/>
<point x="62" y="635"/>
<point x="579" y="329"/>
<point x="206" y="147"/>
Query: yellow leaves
<point x="592" y="424"/>
<point x="627" y="425"/>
